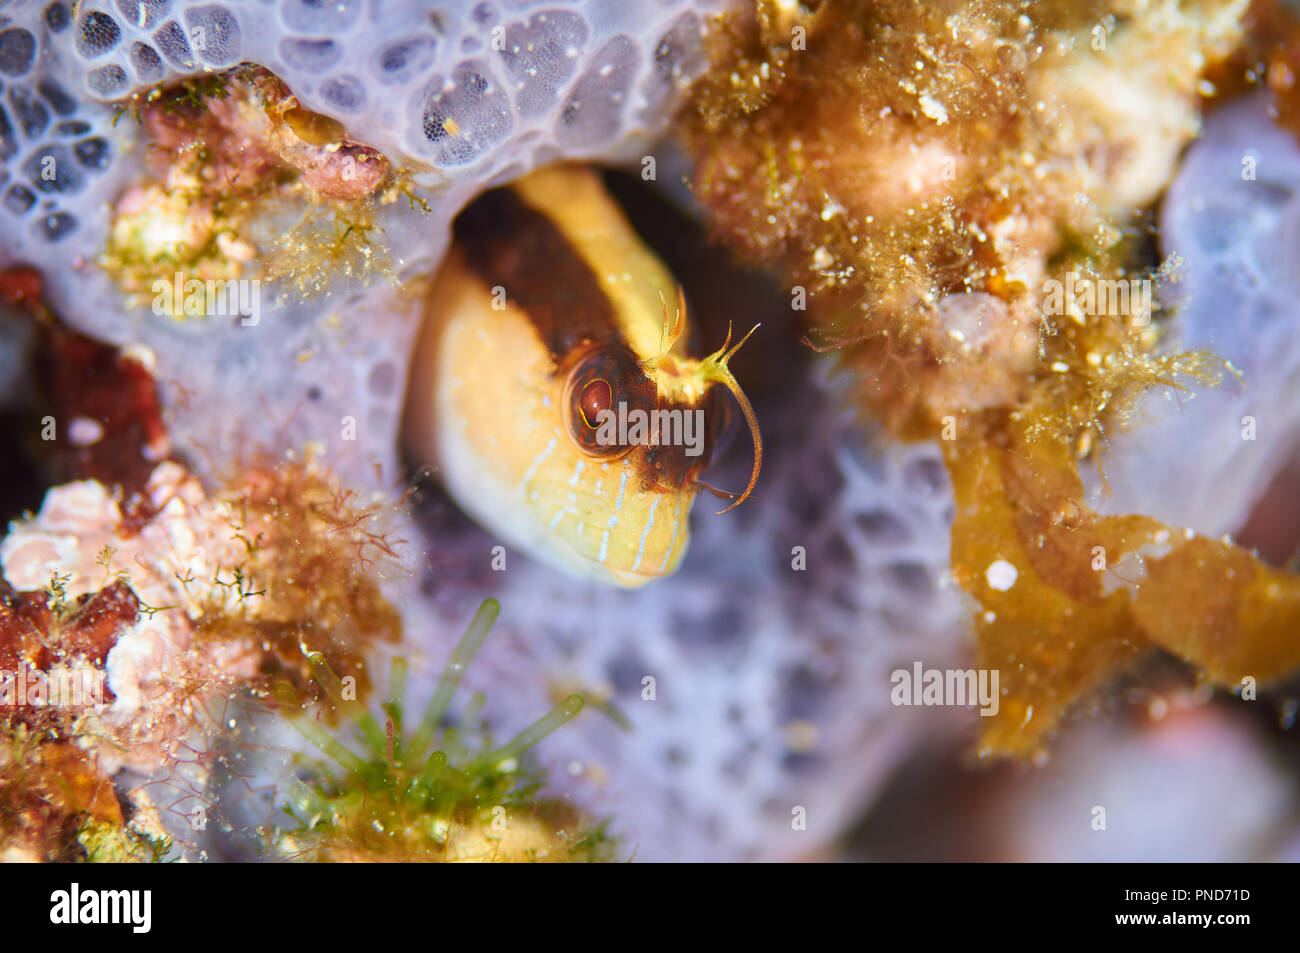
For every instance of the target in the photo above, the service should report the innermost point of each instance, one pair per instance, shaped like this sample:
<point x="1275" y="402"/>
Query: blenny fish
<point x="552" y="391"/>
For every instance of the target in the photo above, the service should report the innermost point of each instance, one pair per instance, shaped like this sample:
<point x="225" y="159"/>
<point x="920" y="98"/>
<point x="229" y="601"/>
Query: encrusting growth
<point x="247" y="184"/>
<point x="958" y="192"/>
<point x="142" y="616"/>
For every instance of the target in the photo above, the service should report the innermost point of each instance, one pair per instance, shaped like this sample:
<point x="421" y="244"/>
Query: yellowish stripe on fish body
<point x="632" y="277"/>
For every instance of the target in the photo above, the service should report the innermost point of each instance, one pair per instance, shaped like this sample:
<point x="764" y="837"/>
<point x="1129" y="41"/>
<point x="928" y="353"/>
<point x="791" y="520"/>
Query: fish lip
<point x="630" y="579"/>
<point x="592" y="569"/>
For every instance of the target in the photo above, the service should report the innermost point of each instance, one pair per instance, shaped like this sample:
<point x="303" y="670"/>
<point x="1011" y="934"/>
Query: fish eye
<point x="594" y="399"/>
<point x="598" y="382"/>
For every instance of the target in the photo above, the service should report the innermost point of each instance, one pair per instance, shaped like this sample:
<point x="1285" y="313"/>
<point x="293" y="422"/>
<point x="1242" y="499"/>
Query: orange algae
<point x="48" y="793"/>
<point x="1269" y="57"/>
<point x="58" y="803"/>
<point x="57" y="799"/>
<point x="1093" y="592"/>
<point x="889" y="156"/>
<point x="921" y="173"/>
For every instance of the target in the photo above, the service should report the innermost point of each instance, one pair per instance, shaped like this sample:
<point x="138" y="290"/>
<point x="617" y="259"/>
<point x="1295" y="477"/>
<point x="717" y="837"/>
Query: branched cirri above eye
<point x="700" y="376"/>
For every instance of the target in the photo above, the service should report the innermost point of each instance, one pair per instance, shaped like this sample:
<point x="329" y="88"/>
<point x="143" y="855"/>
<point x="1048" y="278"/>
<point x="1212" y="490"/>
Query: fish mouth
<point x="632" y="580"/>
<point x="587" y="567"/>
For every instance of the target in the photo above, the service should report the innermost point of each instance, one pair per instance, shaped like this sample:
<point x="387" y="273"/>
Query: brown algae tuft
<point x="957" y="194"/>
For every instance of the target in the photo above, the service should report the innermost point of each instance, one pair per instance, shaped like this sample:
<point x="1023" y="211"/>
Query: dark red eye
<point x="596" y="398"/>
<point x="599" y="381"/>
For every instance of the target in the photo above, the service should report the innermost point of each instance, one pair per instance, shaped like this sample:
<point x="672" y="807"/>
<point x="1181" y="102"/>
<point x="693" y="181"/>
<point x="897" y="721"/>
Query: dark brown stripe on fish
<point x="509" y="243"/>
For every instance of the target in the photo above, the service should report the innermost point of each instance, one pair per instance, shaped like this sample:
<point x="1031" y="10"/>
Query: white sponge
<point x="462" y="95"/>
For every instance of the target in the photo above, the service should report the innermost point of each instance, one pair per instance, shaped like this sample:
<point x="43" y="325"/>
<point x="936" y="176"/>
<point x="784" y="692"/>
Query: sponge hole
<point x="58" y="17"/>
<point x="30" y="112"/>
<point x="97" y="35"/>
<point x="404" y="60"/>
<point x="143" y="14"/>
<point x="107" y="82"/>
<point x="17" y="51"/>
<point x="594" y="110"/>
<point x="214" y="34"/>
<point x="57" y="97"/>
<point x="93" y="153"/>
<point x="320" y="16"/>
<point x="346" y="93"/>
<point x="172" y="43"/>
<point x="540" y="56"/>
<point x="146" y="62"/>
<point x="466" y="117"/>
<point x="52" y="171"/>
<point x="312" y="56"/>
<point x="19" y="199"/>
<point x="679" y="56"/>
<point x="882" y="528"/>
<point x="55" y="227"/>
